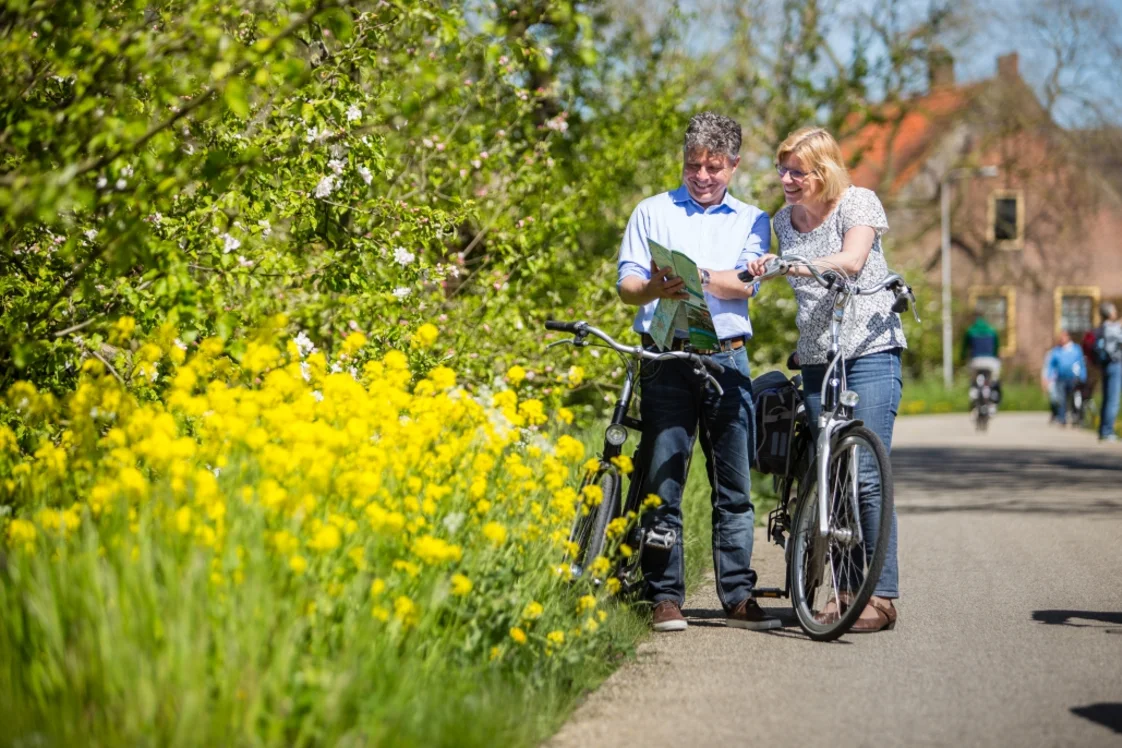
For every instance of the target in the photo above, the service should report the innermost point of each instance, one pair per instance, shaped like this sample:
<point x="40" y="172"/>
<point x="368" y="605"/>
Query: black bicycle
<point x="589" y="534"/>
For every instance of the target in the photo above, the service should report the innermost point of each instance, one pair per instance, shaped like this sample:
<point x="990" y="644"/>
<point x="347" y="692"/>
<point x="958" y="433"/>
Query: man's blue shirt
<point x="725" y="236"/>
<point x="1065" y="363"/>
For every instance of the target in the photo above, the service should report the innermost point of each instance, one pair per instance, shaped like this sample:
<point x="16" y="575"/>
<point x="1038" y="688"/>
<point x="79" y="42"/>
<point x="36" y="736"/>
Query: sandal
<point x="832" y="612"/>
<point x="885" y="620"/>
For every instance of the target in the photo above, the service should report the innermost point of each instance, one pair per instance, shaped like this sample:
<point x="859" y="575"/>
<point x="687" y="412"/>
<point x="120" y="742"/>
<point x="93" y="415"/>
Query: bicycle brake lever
<point x="566" y="341"/>
<point x="915" y="309"/>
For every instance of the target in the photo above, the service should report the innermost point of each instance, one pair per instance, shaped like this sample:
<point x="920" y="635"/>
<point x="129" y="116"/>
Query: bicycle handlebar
<point x="581" y="329"/>
<point x="553" y="324"/>
<point x="829" y="280"/>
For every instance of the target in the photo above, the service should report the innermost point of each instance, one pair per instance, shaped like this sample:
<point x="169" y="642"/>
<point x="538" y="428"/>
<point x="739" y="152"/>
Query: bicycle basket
<point x="779" y="409"/>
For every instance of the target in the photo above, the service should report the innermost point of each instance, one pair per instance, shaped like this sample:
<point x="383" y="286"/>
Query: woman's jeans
<point x="1112" y="386"/>
<point x="876" y="378"/>
<point x="674" y="404"/>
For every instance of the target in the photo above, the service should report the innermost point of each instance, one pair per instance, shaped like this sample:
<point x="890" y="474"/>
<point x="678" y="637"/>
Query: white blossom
<point x="266" y="228"/>
<point x="229" y="244"/>
<point x="325" y="187"/>
<point x="403" y="256"/>
<point x="127" y="171"/>
<point x="180" y="344"/>
<point x="91" y="234"/>
<point x="454" y="521"/>
<point x="304" y="344"/>
<point x="121" y="184"/>
<point x="157" y="218"/>
<point x="312" y="135"/>
<point x="189" y="149"/>
<point x="353" y="113"/>
<point x="101" y="182"/>
<point x="317" y="395"/>
<point x="305" y="371"/>
<point x="427" y="143"/>
<point x="365" y="174"/>
<point x="337" y="165"/>
<point x="401" y="292"/>
<point x="245" y="263"/>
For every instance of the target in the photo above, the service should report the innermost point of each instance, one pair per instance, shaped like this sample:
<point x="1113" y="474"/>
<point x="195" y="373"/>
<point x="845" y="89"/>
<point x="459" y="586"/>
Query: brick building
<point x="1035" y="248"/>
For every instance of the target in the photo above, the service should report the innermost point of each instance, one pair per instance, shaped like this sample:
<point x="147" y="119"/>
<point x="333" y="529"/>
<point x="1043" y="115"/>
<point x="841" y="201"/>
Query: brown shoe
<point x="884" y="621"/>
<point x="833" y="610"/>
<point x="667" y="616"/>
<point x="749" y="615"/>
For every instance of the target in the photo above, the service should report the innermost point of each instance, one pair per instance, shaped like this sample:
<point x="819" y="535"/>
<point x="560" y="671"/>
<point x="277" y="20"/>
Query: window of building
<point x="998" y="304"/>
<point x="1006" y="219"/>
<point x="1077" y="310"/>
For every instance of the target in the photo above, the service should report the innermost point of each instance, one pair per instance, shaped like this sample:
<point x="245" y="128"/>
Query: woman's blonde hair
<point x="821" y="157"/>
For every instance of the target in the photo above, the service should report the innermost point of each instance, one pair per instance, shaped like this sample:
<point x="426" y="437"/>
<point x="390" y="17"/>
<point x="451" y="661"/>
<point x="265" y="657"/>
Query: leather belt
<point x="728" y="344"/>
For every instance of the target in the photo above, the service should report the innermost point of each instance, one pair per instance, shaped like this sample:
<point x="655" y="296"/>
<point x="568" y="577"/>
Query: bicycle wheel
<point x="590" y="526"/>
<point x="833" y="577"/>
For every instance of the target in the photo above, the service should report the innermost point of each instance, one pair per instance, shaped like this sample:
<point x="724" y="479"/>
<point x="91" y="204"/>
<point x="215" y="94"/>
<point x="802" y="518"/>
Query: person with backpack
<point x="1108" y="355"/>
<point x="980" y="346"/>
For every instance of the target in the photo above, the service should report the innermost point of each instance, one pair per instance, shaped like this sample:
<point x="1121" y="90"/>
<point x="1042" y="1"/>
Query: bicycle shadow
<point x="789" y="623"/>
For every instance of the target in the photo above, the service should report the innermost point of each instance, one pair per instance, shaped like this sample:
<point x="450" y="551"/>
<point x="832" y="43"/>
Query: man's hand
<point x="638" y="291"/>
<point x="662" y="285"/>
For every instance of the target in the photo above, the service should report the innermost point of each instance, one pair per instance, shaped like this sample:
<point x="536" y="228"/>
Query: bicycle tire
<point x="808" y="545"/>
<point x="590" y="531"/>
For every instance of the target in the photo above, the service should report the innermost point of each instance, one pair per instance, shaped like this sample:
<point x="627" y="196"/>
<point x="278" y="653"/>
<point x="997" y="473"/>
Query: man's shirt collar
<point x="682" y="196"/>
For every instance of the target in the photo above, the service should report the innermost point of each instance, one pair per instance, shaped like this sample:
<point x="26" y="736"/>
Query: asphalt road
<point x="1010" y="629"/>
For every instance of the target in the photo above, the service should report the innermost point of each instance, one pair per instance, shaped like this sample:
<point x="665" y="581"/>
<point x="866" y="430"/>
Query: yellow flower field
<point x="287" y="548"/>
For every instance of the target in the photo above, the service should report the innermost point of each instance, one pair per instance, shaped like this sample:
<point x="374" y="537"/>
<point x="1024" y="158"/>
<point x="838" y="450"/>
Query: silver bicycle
<point x="835" y="551"/>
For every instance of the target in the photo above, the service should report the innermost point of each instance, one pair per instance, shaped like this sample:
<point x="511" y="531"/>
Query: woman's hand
<point x="758" y="266"/>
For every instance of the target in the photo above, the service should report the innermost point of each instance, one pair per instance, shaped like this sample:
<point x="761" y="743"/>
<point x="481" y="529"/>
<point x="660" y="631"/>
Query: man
<point x="721" y="234"/>
<point x="980" y="347"/>
<point x="1108" y="354"/>
<point x="1064" y="370"/>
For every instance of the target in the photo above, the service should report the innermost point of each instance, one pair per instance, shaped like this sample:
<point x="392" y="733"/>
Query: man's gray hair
<point x="1107" y="310"/>
<point x="713" y="132"/>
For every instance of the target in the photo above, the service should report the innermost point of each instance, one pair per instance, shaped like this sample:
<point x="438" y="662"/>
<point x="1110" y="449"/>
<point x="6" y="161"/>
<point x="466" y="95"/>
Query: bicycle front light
<point x="616" y="435"/>
<point x="849" y="399"/>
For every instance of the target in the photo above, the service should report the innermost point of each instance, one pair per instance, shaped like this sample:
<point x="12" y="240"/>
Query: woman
<point x="828" y="220"/>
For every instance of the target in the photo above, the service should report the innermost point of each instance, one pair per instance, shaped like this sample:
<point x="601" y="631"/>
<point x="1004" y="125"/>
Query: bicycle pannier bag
<point x="778" y="409"/>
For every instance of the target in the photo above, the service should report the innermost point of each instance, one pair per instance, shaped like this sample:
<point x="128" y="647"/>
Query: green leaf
<point x="234" y="95"/>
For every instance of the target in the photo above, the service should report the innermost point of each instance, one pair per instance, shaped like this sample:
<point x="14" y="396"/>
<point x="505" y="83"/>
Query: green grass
<point x="929" y="396"/>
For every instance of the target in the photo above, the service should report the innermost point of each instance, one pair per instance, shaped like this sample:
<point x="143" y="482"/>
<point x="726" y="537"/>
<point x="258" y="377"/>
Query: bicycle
<point x="831" y="570"/>
<point x="590" y="526"/>
<point x="983" y="399"/>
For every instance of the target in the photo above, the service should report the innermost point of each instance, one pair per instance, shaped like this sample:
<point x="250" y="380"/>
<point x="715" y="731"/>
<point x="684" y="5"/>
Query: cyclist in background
<point x="980" y="345"/>
<point x="1064" y="370"/>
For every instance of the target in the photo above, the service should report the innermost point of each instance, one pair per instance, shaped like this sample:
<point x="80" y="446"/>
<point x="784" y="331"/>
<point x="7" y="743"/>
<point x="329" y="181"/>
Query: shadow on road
<point x="1104" y="618"/>
<point x="1006" y="480"/>
<point x="1106" y="714"/>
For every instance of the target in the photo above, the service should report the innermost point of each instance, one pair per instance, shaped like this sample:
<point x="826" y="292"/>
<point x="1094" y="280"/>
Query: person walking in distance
<point x="1108" y="354"/>
<point x="721" y="234"/>
<point x="1064" y="370"/>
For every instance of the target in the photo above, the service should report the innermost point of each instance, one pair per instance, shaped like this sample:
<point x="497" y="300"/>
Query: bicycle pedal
<point x="768" y="592"/>
<point x="661" y="538"/>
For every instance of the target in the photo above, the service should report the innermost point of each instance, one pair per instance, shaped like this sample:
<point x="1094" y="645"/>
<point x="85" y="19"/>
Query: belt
<point x="728" y="344"/>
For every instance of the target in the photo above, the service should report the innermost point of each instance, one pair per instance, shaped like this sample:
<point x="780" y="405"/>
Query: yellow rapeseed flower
<point x="461" y="585"/>
<point x="518" y="635"/>
<point x="532" y="611"/>
<point x="623" y="462"/>
<point x="432" y="550"/>
<point x="425" y="335"/>
<point x="494" y="532"/>
<point x="565" y="416"/>
<point x="556" y="638"/>
<point x="298" y="564"/>
<point x="568" y="448"/>
<point x="515" y="375"/>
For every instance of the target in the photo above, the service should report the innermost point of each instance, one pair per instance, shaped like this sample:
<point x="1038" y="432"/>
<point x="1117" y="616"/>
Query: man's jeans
<point x="876" y="378"/>
<point x="1112" y="386"/>
<point x="1062" y="392"/>
<point x="673" y="402"/>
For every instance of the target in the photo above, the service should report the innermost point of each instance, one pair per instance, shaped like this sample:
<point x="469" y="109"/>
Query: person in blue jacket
<point x="1064" y="370"/>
